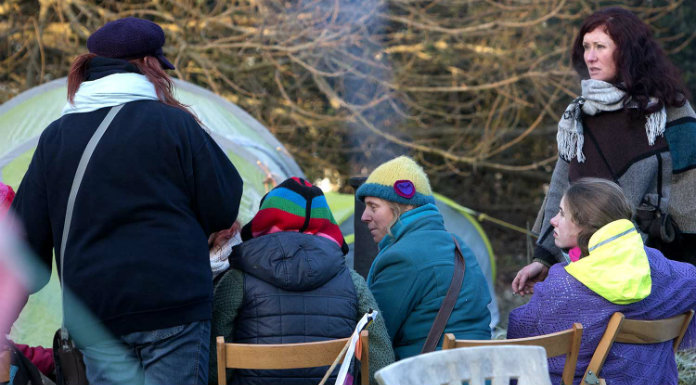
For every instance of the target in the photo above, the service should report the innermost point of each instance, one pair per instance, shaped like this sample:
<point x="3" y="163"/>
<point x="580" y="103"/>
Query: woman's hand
<point x="217" y="239"/>
<point x="527" y="277"/>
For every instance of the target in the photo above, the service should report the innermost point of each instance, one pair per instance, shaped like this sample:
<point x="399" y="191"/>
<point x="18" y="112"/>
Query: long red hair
<point x="147" y="65"/>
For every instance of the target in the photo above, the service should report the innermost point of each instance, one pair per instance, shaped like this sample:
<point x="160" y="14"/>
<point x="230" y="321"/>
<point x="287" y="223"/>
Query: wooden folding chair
<point x="566" y="342"/>
<point x="5" y="362"/>
<point x="285" y="356"/>
<point x="620" y="329"/>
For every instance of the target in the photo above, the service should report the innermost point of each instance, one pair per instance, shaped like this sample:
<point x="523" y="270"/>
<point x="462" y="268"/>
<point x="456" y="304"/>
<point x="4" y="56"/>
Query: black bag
<point x="70" y="368"/>
<point x="659" y="227"/>
<point x="664" y="235"/>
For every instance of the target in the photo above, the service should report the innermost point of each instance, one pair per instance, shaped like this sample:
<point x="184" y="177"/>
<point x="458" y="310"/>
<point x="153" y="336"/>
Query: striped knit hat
<point x="6" y="197"/>
<point x="295" y="205"/>
<point x="399" y="180"/>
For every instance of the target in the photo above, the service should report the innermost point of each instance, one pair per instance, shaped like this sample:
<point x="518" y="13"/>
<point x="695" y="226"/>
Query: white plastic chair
<point x="476" y="365"/>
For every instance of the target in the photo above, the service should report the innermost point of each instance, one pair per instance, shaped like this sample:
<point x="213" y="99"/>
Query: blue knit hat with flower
<point x="399" y="180"/>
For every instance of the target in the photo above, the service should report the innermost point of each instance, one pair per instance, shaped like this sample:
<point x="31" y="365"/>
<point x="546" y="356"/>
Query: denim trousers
<point x="174" y="355"/>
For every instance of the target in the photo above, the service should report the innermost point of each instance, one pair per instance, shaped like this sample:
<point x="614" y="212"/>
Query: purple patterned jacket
<point x="561" y="300"/>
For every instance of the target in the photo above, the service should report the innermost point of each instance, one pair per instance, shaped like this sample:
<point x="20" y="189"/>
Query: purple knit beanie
<point x="129" y="38"/>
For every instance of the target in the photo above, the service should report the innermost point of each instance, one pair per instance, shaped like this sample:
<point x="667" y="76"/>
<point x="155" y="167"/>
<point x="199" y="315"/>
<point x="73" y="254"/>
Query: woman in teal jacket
<point x="413" y="270"/>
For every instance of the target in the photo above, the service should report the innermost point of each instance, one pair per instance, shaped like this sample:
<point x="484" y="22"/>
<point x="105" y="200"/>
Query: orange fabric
<point x="5" y="359"/>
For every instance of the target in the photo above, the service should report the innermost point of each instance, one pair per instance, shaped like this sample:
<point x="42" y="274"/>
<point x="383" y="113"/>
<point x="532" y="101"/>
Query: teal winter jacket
<point x="410" y="278"/>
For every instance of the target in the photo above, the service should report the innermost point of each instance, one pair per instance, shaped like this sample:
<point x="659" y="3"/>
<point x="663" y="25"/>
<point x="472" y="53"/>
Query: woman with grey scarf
<point x="633" y="125"/>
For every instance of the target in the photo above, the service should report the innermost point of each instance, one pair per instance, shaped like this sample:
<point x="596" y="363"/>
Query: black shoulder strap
<point x="448" y="303"/>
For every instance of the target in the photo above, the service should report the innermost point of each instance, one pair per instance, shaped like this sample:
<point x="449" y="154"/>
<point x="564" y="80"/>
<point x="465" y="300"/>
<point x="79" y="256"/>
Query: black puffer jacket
<point x="297" y="288"/>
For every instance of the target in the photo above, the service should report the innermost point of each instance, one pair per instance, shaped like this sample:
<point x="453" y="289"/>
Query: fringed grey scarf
<point x="598" y="96"/>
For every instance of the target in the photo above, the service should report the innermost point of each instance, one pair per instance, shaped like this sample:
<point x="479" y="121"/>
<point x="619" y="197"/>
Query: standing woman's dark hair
<point x="644" y="71"/>
<point x="592" y="204"/>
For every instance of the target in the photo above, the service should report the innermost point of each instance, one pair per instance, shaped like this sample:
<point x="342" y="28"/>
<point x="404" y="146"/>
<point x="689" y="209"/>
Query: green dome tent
<point x="250" y="146"/>
<point x="257" y="155"/>
<point x="253" y="150"/>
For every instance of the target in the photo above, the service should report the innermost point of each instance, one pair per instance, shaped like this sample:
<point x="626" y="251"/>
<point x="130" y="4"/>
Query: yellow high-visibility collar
<point x="617" y="267"/>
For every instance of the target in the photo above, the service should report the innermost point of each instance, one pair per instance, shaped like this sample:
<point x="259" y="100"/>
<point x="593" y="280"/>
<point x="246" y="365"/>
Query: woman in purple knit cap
<point x="615" y="272"/>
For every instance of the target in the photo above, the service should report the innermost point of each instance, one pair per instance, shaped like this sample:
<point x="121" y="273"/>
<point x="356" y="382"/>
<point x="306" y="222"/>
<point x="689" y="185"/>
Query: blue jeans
<point x="175" y="355"/>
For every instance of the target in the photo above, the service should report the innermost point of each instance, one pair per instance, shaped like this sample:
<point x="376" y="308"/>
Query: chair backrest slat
<point x="5" y="363"/>
<point x="566" y="342"/>
<point x="649" y="332"/>
<point x="285" y="356"/>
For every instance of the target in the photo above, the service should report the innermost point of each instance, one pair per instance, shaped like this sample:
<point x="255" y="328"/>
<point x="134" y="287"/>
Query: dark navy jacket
<point x="297" y="288"/>
<point x="155" y="188"/>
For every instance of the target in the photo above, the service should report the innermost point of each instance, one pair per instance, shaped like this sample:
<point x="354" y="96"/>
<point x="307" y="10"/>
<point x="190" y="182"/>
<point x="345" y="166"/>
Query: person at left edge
<point x="154" y="190"/>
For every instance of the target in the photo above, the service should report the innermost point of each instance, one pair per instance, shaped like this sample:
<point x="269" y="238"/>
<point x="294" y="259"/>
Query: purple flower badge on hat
<point x="404" y="188"/>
